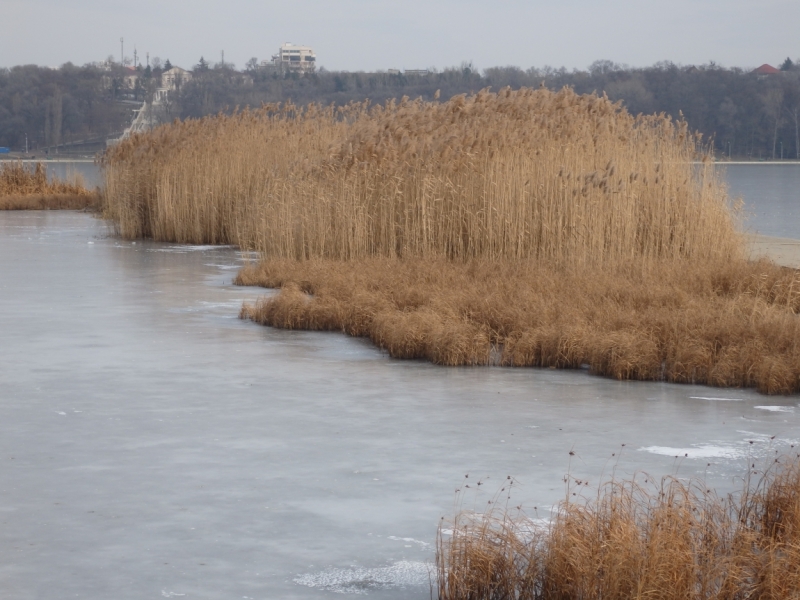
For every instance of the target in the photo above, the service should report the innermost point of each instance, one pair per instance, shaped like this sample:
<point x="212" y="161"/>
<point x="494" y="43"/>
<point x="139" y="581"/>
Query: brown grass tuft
<point x="23" y="189"/>
<point x="673" y="540"/>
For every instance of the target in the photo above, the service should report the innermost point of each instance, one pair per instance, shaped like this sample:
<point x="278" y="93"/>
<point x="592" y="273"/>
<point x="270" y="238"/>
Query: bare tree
<point x="791" y="101"/>
<point x="773" y="103"/>
<point x="58" y="112"/>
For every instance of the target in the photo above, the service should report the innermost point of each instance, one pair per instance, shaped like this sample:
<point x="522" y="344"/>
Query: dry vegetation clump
<point x="673" y="539"/>
<point x="23" y="189"/>
<point x="724" y="324"/>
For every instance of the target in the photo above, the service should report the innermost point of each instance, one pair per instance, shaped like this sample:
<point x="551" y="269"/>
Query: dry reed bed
<point x="527" y="174"/>
<point x="725" y="324"/>
<point x="638" y="539"/>
<point x="23" y="189"/>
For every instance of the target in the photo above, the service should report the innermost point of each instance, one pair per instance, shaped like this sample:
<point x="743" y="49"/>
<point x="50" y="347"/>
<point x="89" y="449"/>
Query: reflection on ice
<point x="360" y="580"/>
<point x="717" y="399"/>
<point x="776" y="408"/>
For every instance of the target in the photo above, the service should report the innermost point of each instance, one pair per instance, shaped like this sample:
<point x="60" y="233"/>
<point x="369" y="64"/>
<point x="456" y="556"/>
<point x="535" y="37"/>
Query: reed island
<point x="518" y="228"/>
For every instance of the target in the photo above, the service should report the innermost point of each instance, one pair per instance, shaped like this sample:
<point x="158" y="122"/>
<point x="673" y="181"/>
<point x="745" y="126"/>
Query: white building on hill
<point x="175" y="78"/>
<point x="293" y="59"/>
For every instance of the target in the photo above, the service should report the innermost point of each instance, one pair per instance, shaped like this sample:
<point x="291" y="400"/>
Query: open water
<point x="771" y="194"/>
<point x="153" y="445"/>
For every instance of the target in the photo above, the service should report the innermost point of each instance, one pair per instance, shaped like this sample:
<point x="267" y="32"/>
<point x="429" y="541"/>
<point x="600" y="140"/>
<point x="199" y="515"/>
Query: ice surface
<point x="152" y="443"/>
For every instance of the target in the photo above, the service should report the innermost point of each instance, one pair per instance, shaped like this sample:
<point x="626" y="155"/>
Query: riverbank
<point x="782" y="251"/>
<point x="33" y="160"/>
<point x="89" y="201"/>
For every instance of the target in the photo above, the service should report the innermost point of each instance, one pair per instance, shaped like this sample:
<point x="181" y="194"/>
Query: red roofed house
<point x="766" y="69"/>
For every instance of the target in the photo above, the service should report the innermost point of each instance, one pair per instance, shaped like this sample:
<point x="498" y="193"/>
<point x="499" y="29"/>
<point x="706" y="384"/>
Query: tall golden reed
<point x="637" y="540"/>
<point x="529" y="174"/>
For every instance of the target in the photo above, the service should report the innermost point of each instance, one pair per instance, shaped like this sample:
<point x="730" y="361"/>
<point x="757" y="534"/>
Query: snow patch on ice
<point x="360" y="580"/>
<point x="717" y="399"/>
<point x="776" y="408"/>
<point x="699" y="451"/>
<point x="412" y="540"/>
<point x="188" y="248"/>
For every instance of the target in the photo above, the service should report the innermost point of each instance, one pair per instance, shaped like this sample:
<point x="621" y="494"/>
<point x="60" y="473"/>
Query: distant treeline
<point x="58" y="106"/>
<point x="746" y="114"/>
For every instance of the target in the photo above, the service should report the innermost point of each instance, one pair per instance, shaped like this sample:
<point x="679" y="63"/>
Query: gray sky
<point x="381" y="34"/>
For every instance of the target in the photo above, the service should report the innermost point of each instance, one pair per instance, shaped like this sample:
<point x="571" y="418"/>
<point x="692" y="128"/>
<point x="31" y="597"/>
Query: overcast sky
<point x="405" y="34"/>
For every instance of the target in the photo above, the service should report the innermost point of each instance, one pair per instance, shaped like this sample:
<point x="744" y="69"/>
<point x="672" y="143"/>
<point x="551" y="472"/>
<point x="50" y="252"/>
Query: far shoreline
<point x="785" y="161"/>
<point x="49" y="160"/>
<point x="782" y="251"/>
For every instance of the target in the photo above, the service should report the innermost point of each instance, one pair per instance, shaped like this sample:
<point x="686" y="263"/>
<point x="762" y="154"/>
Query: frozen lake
<point x="152" y="445"/>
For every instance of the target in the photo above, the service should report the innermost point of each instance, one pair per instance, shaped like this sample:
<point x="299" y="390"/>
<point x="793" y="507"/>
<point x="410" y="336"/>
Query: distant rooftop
<point x="766" y="69"/>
